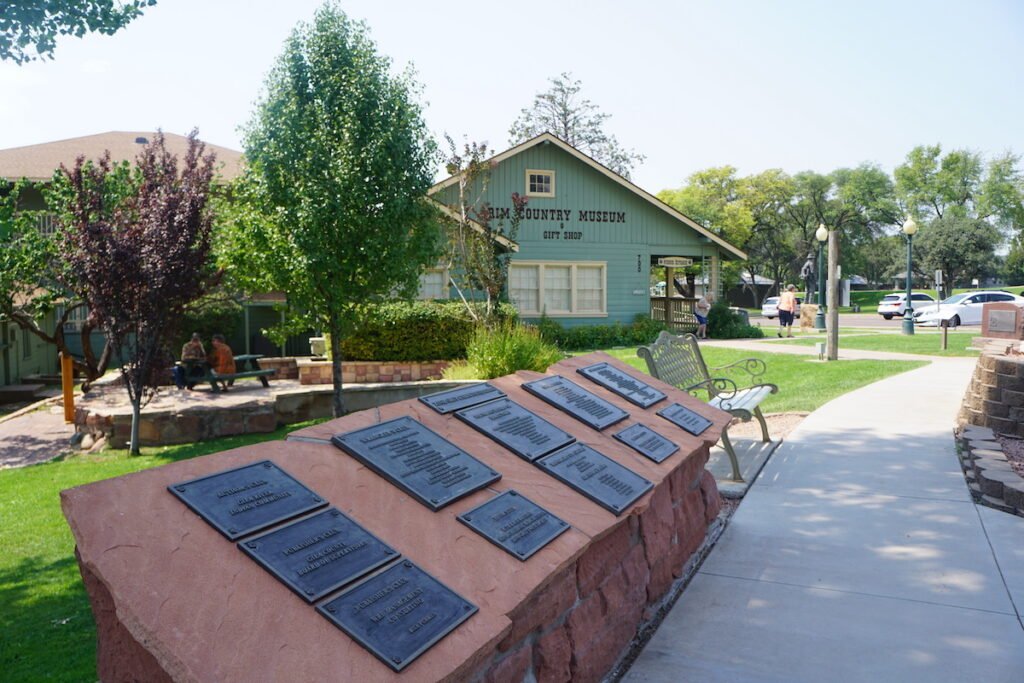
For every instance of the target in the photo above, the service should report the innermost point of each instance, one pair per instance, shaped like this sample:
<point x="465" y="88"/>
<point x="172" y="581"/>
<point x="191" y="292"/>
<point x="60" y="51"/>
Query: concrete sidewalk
<point x="768" y="346"/>
<point x="857" y="555"/>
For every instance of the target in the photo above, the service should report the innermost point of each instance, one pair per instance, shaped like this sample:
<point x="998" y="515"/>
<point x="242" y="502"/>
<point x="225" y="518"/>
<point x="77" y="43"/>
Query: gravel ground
<point x="779" y="426"/>
<point x="1014" y="450"/>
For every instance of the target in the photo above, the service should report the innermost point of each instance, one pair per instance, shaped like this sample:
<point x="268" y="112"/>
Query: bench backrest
<point x="675" y="359"/>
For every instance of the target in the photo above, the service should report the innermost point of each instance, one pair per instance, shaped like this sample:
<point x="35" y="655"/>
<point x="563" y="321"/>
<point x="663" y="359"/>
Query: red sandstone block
<point x="598" y="561"/>
<point x="636" y="569"/>
<point x="513" y="667"/>
<point x="552" y="657"/>
<point x="682" y="478"/>
<point x="544" y="608"/>
<point x="690" y="525"/>
<point x="585" y="622"/>
<point x="662" y="576"/>
<point x="591" y="665"/>
<point x="709" y="492"/>
<point x="657" y="524"/>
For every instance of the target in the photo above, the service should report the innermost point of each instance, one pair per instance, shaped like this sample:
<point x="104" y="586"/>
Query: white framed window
<point x="433" y="284"/>
<point x="559" y="288"/>
<point x="75" y="320"/>
<point x="540" y="183"/>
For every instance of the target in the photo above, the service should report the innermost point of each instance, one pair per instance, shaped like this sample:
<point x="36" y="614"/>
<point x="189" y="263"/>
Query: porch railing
<point x="676" y="312"/>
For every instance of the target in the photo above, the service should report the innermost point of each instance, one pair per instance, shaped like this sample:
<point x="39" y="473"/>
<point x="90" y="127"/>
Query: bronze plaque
<point x="596" y="476"/>
<point x="398" y="613"/>
<point x="449" y="401"/>
<point x="516" y="428"/>
<point x="319" y="554"/>
<point x="421" y="462"/>
<point x="246" y="499"/>
<point x="571" y="398"/>
<point x="647" y="442"/>
<point x="683" y="417"/>
<point x="622" y="383"/>
<point x="514" y="523"/>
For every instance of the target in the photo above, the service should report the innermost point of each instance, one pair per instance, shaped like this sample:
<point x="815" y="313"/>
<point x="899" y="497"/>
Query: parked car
<point x="896" y="304"/>
<point x="770" y="307"/>
<point x="962" y="309"/>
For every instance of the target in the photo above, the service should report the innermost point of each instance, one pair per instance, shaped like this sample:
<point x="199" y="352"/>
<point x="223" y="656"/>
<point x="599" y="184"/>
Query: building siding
<point x="631" y="232"/>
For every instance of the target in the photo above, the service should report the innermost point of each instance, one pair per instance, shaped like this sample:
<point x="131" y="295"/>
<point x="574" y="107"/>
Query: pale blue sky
<point x="756" y="84"/>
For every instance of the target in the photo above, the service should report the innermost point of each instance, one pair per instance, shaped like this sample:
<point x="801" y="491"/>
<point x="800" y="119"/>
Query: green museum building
<point x="588" y="239"/>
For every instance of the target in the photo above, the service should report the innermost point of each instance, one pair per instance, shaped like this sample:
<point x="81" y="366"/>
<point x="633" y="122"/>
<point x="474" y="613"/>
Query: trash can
<point x="742" y="313"/>
<point x="855" y="308"/>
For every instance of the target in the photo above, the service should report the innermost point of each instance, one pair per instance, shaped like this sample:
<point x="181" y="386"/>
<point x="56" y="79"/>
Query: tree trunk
<point x="133" y="445"/>
<point x="337" y="404"/>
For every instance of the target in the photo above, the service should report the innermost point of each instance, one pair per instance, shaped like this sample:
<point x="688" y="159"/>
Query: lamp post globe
<point x="821" y="234"/>
<point x="909" y="228"/>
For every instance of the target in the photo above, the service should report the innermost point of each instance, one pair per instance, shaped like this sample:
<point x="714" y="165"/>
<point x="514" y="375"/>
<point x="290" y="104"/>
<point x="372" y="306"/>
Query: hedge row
<point x="641" y="331"/>
<point x="414" y="331"/>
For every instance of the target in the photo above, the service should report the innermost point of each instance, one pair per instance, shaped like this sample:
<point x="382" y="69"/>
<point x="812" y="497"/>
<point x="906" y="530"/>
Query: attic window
<point x="540" y="183"/>
<point x="141" y="140"/>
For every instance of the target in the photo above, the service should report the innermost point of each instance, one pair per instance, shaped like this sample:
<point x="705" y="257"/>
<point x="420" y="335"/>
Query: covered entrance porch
<point x="686" y="279"/>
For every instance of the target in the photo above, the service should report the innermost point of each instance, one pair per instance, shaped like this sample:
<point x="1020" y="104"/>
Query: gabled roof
<point x="476" y="225"/>
<point x="38" y="162"/>
<point x="548" y="138"/>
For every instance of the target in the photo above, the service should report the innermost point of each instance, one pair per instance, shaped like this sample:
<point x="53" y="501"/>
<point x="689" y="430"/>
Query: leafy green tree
<point x="563" y="112"/>
<point x="28" y="25"/>
<point x="961" y="247"/>
<point x="332" y="208"/>
<point x="32" y="277"/>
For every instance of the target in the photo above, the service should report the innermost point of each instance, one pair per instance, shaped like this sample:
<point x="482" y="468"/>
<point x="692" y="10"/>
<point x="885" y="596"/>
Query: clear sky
<point x="757" y="84"/>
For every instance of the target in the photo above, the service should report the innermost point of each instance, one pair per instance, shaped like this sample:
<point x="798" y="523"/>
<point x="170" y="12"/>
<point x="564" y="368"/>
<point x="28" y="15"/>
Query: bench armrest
<point x="754" y="367"/>
<point x="715" y="386"/>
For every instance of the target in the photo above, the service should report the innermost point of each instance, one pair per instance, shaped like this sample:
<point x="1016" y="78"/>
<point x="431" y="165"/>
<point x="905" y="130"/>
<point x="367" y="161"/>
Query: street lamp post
<point x="822" y="236"/>
<point x="909" y="228"/>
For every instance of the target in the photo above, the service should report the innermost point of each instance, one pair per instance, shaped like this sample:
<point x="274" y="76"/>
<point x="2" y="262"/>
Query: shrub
<point x="726" y="324"/>
<point x="642" y="330"/>
<point x="508" y="348"/>
<point x="413" y="331"/>
<point x="211" y="315"/>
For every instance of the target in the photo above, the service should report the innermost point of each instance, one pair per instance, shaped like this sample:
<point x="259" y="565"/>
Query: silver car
<point x="770" y="307"/>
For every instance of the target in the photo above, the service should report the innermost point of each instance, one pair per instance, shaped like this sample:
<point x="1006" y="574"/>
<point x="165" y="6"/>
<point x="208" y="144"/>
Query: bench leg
<point x="727" y="445"/>
<point x="264" y="381"/>
<point x="764" y="425"/>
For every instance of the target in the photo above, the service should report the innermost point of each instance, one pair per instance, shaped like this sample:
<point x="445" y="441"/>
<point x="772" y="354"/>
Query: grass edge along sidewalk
<point x="43" y="605"/>
<point x="920" y="343"/>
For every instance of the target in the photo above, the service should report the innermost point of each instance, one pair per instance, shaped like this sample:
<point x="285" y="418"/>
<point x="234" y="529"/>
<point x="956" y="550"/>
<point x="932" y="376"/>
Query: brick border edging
<point x="991" y="479"/>
<point x="995" y="395"/>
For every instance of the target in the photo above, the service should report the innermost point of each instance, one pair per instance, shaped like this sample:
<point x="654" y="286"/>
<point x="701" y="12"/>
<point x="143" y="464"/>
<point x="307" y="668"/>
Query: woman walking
<point x="787" y="307"/>
<point x="700" y="310"/>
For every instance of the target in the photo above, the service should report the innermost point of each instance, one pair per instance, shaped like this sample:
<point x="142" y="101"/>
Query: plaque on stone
<point x="596" y="476"/>
<point x="319" y="554"/>
<point x="515" y="524"/>
<point x="419" y="461"/>
<point x="398" y="613"/>
<point x="681" y="416"/>
<point x="449" y="401"/>
<point x="527" y="435"/>
<point x="1002" y="321"/>
<point x="647" y="442"/>
<point x="246" y="499"/>
<point x="569" y="397"/>
<point x="623" y="384"/>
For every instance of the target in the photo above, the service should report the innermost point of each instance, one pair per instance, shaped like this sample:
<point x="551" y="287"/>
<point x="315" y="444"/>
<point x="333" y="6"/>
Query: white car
<point x="895" y="304"/>
<point x="962" y="309"/>
<point x="770" y="307"/>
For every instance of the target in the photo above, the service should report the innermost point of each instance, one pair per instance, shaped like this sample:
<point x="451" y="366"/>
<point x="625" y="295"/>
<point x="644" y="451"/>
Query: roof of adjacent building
<point x="612" y="175"/>
<point x="38" y="162"/>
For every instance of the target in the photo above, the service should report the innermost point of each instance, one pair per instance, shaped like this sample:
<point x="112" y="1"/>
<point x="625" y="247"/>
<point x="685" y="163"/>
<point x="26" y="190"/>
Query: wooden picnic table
<point x="198" y="371"/>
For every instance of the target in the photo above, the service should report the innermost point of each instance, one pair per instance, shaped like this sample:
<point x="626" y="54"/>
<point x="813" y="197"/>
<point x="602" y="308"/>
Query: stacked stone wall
<point x="369" y="372"/>
<point x="995" y="396"/>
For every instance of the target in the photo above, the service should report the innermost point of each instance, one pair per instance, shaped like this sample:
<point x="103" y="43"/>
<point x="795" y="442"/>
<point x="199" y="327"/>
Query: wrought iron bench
<point x="677" y="360"/>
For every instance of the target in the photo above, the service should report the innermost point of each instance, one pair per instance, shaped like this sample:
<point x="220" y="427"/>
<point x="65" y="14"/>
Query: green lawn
<point x="925" y="343"/>
<point x="45" y="621"/>
<point x="804" y="383"/>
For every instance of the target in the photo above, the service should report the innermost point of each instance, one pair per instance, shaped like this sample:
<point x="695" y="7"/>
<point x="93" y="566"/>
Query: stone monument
<point x="522" y="529"/>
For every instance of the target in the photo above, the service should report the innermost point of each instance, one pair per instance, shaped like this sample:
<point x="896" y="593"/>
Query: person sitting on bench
<point x="222" y="359"/>
<point x="192" y="351"/>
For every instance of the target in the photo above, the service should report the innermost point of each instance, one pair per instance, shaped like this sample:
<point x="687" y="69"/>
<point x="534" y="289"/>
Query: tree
<point x="37" y="23"/>
<point x="477" y="259"/>
<point x="31" y="277"/>
<point x="561" y="111"/>
<point x="137" y="243"/>
<point x="332" y="207"/>
<point x="962" y="248"/>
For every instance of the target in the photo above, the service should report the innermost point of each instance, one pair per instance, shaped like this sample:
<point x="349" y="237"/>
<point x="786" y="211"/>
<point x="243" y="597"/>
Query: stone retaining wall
<point x="995" y="397"/>
<point x="584" y="621"/>
<point x="991" y="478"/>
<point x="285" y="366"/>
<point x="360" y="372"/>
